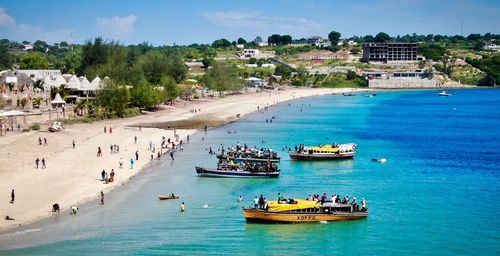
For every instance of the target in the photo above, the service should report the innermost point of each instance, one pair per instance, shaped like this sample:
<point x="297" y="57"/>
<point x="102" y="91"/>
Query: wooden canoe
<point x="167" y="197"/>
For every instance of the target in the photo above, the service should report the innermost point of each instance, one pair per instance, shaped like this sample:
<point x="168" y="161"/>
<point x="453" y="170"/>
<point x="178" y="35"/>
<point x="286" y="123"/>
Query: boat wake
<point x="323" y="222"/>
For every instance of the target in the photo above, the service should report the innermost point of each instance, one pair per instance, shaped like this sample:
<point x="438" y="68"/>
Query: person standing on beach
<point x="103" y="175"/>
<point x="135" y="139"/>
<point x="102" y="197"/>
<point x="121" y="163"/>
<point x="110" y="130"/>
<point x="104" y="129"/>
<point x="131" y="163"/>
<point x="112" y="175"/>
<point x="45" y="141"/>
<point x="39" y="141"/>
<point x="99" y="152"/>
<point x="12" y="196"/>
<point x="37" y="162"/>
<point x="137" y="155"/>
<point x="74" y="144"/>
<point x="43" y="163"/>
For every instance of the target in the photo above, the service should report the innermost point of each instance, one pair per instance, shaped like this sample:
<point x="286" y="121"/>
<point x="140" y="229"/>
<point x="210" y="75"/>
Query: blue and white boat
<point x="235" y="173"/>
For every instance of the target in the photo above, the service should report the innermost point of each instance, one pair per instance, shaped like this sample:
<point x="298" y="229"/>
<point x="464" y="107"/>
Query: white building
<point x="255" y="53"/>
<point x="240" y="46"/>
<point x="262" y="44"/>
<point x="40" y="74"/>
<point x="492" y="47"/>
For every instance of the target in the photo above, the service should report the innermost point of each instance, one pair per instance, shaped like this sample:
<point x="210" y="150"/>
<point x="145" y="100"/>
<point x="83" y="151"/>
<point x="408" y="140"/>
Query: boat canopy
<point x="333" y="149"/>
<point x="273" y="206"/>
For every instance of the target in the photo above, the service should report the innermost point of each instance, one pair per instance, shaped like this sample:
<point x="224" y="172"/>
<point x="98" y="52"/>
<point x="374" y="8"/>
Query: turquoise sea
<point x="438" y="193"/>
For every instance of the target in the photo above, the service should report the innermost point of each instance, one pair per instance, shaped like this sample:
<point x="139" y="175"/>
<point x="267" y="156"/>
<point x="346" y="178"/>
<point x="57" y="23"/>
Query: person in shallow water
<point x="183" y="207"/>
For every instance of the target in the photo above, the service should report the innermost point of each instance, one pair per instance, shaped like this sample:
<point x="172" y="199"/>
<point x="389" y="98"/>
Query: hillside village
<point x="80" y="80"/>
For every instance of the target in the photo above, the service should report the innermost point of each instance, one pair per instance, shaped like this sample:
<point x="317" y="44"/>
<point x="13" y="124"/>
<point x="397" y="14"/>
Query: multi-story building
<point x="254" y="53"/>
<point x="390" y="52"/>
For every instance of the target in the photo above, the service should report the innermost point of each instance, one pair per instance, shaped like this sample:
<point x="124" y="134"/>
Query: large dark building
<point x="390" y="52"/>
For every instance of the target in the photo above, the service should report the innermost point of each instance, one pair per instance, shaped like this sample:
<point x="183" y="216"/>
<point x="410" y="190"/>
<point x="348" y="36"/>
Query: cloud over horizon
<point x="260" y="22"/>
<point x="117" y="27"/>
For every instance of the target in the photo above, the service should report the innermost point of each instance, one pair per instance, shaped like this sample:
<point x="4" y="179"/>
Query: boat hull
<point x="167" y="197"/>
<point x="313" y="157"/>
<point x="205" y="172"/>
<point x="252" y="160"/>
<point x="254" y="215"/>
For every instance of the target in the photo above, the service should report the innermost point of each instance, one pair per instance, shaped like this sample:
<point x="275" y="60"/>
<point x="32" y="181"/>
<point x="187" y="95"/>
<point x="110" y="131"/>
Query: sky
<point x="185" y="22"/>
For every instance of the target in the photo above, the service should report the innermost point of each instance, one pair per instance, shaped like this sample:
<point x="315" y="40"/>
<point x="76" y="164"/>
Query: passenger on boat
<point x="280" y="198"/>
<point x="309" y="197"/>
<point x="334" y="198"/>
<point x="346" y="200"/>
<point x="337" y="199"/>
<point x="323" y="198"/>
<point x="256" y="202"/>
<point x="363" y="205"/>
<point x="261" y="202"/>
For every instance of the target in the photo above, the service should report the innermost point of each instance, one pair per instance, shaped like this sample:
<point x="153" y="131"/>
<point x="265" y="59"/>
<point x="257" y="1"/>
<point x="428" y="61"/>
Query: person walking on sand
<point x="172" y="155"/>
<point x="112" y="175"/>
<point x="12" y="196"/>
<point x="102" y="197"/>
<point x="43" y="163"/>
<point x="74" y="144"/>
<point x="183" y="207"/>
<point x="110" y="130"/>
<point x="135" y="139"/>
<point x="104" y="129"/>
<point x="99" y="152"/>
<point x="37" y="162"/>
<point x="103" y="175"/>
<point x="45" y="141"/>
<point x="39" y="141"/>
<point x="121" y="163"/>
<point x="131" y="163"/>
<point x="137" y="155"/>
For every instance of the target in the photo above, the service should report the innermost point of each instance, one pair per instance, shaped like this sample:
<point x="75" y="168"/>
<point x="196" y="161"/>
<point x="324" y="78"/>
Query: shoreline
<point x="36" y="190"/>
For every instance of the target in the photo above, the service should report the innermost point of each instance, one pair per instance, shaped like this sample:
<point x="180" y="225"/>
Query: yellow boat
<point x="325" y="152"/>
<point x="304" y="211"/>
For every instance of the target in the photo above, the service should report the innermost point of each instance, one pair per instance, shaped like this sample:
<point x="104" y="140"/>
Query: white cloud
<point x="6" y="19"/>
<point x="256" y="20"/>
<point x="117" y="27"/>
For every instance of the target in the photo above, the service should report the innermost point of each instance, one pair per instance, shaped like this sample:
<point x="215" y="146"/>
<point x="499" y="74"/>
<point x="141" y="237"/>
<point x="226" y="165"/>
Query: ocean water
<point x="438" y="193"/>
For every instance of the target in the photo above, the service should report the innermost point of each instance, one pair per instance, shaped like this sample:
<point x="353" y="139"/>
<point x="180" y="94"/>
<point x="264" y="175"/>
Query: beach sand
<point x="73" y="176"/>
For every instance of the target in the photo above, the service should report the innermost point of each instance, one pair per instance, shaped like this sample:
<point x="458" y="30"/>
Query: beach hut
<point x="74" y="83"/>
<point x="59" y="81"/>
<point x="57" y="101"/>
<point x="95" y="84"/>
<point x="254" y="82"/>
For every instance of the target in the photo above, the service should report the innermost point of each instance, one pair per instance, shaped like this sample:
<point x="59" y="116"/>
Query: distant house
<point x="318" y="41"/>
<point x="492" y="47"/>
<point x="262" y="44"/>
<point x="254" y="82"/>
<point x="240" y="46"/>
<point x="28" y="47"/>
<point x="323" y="55"/>
<point x="255" y="53"/>
<point x="350" y="43"/>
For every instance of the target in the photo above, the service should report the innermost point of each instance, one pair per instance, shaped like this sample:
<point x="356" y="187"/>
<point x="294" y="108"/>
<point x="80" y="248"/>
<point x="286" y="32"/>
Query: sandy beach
<point x="73" y="175"/>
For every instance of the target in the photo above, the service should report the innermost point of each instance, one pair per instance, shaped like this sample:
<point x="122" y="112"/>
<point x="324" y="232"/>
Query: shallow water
<point x="438" y="193"/>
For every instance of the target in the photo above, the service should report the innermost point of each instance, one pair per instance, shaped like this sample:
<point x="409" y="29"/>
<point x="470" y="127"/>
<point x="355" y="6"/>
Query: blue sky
<point x="189" y="21"/>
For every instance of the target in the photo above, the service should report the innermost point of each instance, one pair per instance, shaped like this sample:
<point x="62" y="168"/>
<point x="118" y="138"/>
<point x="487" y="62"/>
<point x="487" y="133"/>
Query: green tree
<point x="242" y="41"/>
<point x="274" y="39"/>
<point x="146" y="95"/>
<point x="286" y="39"/>
<point x="382" y="38"/>
<point x="220" y="43"/>
<point x="334" y="37"/>
<point x="6" y="59"/>
<point x="73" y="61"/>
<point x="172" y="91"/>
<point x="223" y="77"/>
<point x="432" y="51"/>
<point x="283" y="71"/>
<point x="33" y="60"/>
<point x="207" y="62"/>
<point x="94" y="54"/>
<point x="113" y="98"/>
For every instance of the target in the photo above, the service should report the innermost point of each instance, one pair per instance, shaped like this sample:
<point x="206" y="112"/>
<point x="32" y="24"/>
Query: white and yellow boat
<point x="326" y="152"/>
<point x="304" y="211"/>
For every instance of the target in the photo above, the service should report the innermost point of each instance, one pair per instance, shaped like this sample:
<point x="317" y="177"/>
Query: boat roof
<point x="273" y="206"/>
<point x="331" y="148"/>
